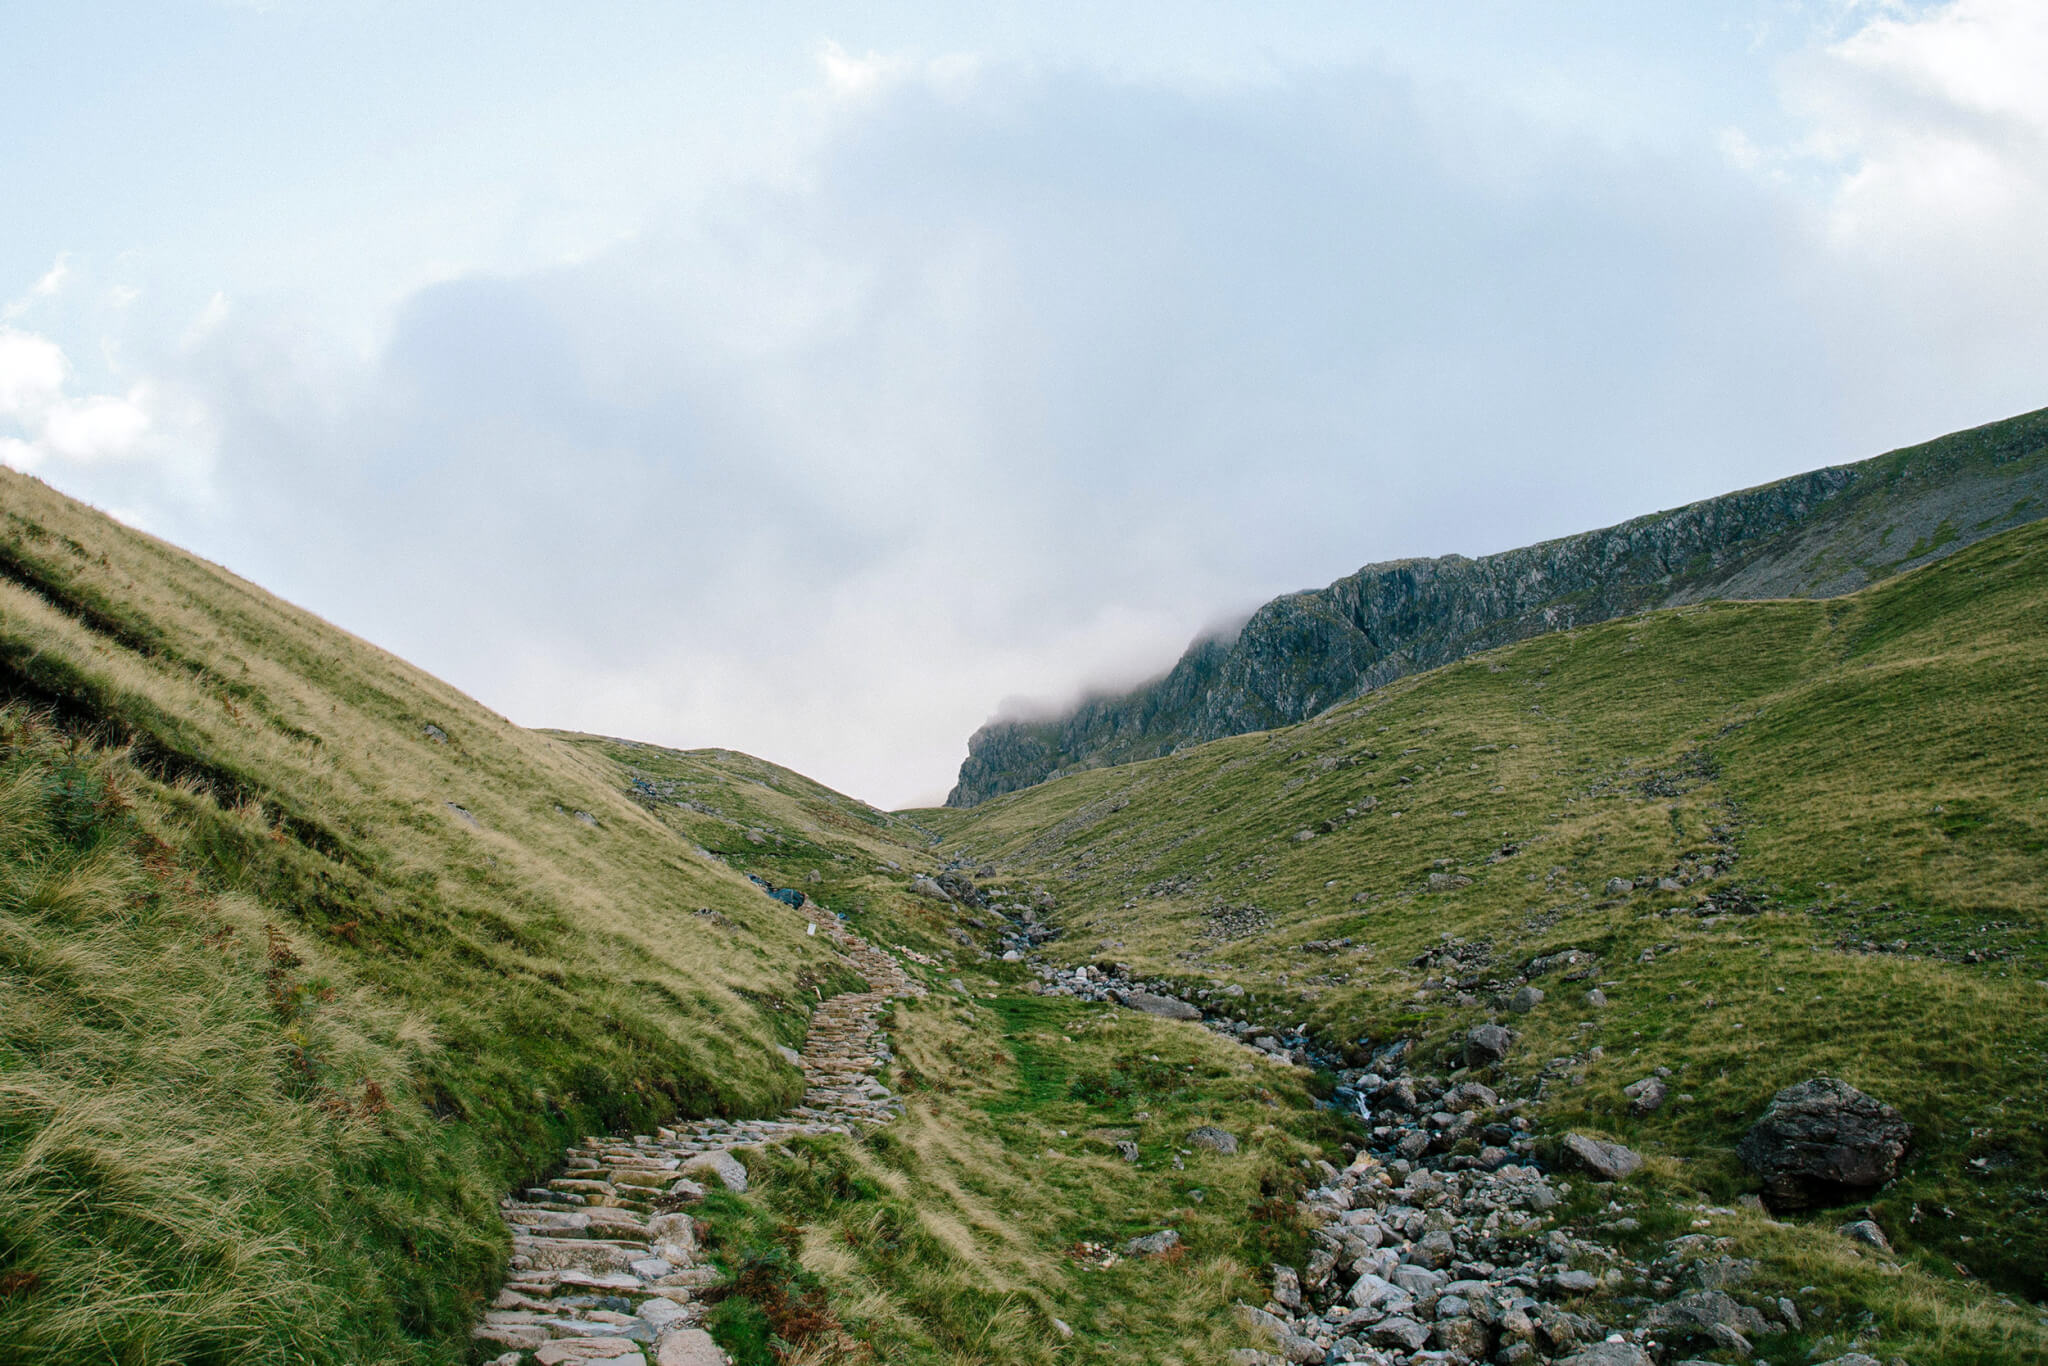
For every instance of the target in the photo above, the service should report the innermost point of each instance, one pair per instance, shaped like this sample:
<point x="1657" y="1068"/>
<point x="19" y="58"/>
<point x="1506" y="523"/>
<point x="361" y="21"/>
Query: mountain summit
<point x="1815" y="535"/>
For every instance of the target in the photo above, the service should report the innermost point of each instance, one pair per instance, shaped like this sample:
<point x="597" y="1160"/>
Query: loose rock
<point x="1608" y="1161"/>
<point x="1487" y="1043"/>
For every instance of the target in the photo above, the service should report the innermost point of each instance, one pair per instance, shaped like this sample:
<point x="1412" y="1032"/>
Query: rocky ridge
<point x="1820" y="534"/>
<point x="605" y="1260"/>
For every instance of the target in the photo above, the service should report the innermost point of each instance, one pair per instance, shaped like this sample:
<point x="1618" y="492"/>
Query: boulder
<point x="1301" y="1351"/>
<point x="1166" y="1007"/>
<point x="1152" y="1244"/>
<point x="1214" y="1139"/>
<point x="924" y="886"/>
<point x="1398" y="1332"/>
<point x="1866" y="1232"/>
<point x="1470" y="1095"/>
<point x="1526" y="1000"/>
<point x="1371" y="1291"/>
<point x="1286" y="1287"/>
<point x="1645" y="1095"/>
<point x="1710" y="1314"/>
<point x="961" y="889"/>
<point x="1487" y="1043"/>
<point x="1464" y="1338"/>
<point x="1608" y="1161"/>
<point x="1824" y="1142"/>
<point x="722" y="1165"/>
<point x="1609" y="1353"/>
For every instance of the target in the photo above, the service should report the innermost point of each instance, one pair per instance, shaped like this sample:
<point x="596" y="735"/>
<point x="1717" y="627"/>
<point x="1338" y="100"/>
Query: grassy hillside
<point x="307" y="958"/>
<point x="1866" y="778"/>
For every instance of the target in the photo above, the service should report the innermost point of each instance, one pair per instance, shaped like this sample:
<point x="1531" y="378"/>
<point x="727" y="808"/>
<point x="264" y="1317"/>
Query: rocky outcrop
<point x="1820" y="534"/>
<point x="1823" y="1142"/>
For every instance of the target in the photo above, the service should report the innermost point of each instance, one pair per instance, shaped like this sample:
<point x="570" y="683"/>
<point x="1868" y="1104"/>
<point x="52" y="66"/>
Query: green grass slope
<point x="305" y="958"/>
<point x="1866" y="778"/>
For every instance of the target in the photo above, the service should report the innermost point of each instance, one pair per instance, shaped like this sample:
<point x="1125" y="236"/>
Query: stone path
<point x="605" y="1264"/>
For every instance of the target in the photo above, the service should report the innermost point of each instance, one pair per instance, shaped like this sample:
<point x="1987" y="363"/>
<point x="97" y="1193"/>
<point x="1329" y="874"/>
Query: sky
<point x="817" y="381"/>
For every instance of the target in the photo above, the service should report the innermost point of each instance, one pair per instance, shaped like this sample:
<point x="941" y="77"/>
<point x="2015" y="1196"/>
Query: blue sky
<point x="810" y="381"/>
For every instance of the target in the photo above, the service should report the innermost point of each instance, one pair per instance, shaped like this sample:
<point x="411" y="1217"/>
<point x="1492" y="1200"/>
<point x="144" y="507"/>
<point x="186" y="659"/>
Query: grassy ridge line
<point x="1866" y="775"/>
<point x="520" y="974"/>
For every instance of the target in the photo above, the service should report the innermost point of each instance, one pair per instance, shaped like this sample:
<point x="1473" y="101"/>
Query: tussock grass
<point x="176" y="1181"/>
<point x="497" y="950"/>
<point x="950" y="1237"/>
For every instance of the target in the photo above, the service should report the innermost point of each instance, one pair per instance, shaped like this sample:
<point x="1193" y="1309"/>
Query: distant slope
<point x="1783" y="838"/>
<point x="1815" y="535"/>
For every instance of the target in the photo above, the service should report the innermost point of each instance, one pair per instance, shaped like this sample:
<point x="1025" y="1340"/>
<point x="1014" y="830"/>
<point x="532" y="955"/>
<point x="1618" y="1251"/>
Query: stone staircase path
<point x="605" y="1264"/>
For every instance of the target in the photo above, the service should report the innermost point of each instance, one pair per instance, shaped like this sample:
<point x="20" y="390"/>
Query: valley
<point x="345" y="1020"/>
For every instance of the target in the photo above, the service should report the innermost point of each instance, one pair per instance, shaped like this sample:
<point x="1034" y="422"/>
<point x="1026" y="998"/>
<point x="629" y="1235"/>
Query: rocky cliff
<point x="1819" y="534"/>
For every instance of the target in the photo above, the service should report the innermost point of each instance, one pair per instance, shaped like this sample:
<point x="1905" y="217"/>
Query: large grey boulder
<point x="1824" y="1142"/>
<point x="1608" y="1161"/>
<point x="1152" y="1244"/>
<point x="1710" y="1314"/>
<point x="1166" y="1007"/>
<point x="1399" y="1332"/>
<point x="1487" y="1043"/>
<point x="1214" y="1139"/>
<point x="1372" y="1291"/>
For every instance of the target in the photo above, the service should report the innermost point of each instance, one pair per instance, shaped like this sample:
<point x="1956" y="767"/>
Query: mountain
<point x="1724" y="848"/>
<point x="1815" y="535"/>
<point x="318" y="979"/>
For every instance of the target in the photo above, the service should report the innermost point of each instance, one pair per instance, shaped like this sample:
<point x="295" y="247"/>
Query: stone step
<point x="582" y="1237"/>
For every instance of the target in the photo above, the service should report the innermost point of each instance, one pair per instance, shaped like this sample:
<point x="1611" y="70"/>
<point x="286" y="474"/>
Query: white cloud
<point x="148" y="422"/>
<point x="32" y="374"/>
<point x="1011" y="392"/>
<point x="1939" y="123"/>
<point x="854" y="79"/>
<point x="851" y="77"/>
<point x="98" y="427"/>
